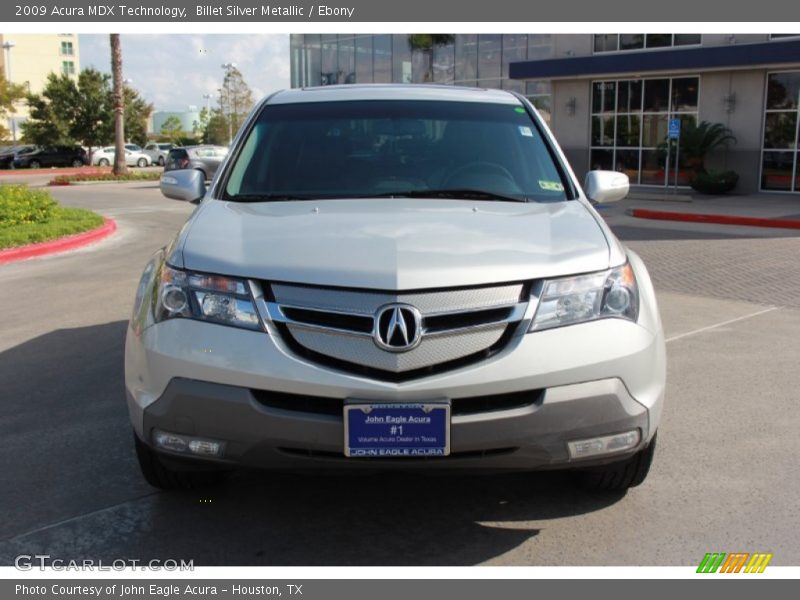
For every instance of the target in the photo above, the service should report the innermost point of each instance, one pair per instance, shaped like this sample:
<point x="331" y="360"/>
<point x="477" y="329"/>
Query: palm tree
<point x="698" y="140"/>
<point x="120" y="168"/>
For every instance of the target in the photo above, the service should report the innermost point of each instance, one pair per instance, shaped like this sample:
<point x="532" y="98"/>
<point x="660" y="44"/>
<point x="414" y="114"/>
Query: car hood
<point x="394" y="244"/>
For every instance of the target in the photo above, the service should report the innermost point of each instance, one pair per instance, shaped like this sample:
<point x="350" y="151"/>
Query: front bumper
<point x="206" y="380"/>
<point x="525" y="437"/>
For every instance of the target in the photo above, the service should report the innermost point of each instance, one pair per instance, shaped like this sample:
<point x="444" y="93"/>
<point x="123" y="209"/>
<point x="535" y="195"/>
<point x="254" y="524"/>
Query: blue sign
<point x="402" y="430"/>
<point x="674" y="129"/>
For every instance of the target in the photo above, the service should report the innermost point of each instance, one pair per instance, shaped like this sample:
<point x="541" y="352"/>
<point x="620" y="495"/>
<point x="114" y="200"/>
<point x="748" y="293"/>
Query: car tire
<point x="35" y="164"/>
<point x="161" y="161"/>
<point x="103" y="162"/>
<point x="163" y="477"/>
<point x="77" y="163"/>
<point x="620" y="476"/>
<point x="142" y="162"/>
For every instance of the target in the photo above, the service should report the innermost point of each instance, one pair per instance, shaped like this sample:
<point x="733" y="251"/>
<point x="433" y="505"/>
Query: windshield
<point x="383" y="148"/>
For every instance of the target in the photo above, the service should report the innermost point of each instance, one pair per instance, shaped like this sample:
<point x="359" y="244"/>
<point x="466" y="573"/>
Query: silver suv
<point x="395" y="277"/>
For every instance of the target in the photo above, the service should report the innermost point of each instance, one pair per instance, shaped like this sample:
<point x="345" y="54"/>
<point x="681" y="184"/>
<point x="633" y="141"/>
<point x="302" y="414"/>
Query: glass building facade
<point x="629" y="125"/>
<point x="780" y="156"/>
<point x="608" y="97"/>
<point x="480" y="60"/>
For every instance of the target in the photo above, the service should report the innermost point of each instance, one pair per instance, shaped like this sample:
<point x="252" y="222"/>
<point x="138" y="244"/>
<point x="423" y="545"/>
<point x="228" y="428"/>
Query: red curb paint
<point x="660" y="215"/>
<point x="54" y="172"/>
<point x="63" y="244"/>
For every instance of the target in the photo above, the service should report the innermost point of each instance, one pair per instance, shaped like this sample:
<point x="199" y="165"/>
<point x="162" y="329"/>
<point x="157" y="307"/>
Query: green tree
<point x="235" y="100"/>
<point x="172" y="129"/>
<point x="70" y="112"/>
<point x="216" y="131"/>
<point x="137" y="113"/>
<point x="52" y="112"/>
<point x="201" y="124"/>
<point x="10" y="94"/>
<point x="92" y="120"/>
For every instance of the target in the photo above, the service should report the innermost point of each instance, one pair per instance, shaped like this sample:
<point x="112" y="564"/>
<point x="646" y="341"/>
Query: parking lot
<point x="725" y="476"/>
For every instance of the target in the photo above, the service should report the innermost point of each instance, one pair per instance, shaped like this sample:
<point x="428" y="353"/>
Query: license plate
<point x="401" y="430"/>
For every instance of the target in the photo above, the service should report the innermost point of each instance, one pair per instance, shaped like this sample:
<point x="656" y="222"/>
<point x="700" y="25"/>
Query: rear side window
<point x="178" y="154"/>
<point x="363" y="148"/>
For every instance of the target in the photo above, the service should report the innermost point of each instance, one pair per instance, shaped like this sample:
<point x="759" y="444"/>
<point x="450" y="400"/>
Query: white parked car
<point x="104" y="157"/>
<point x="395" y="277"/>
<point x="158" y="152"/>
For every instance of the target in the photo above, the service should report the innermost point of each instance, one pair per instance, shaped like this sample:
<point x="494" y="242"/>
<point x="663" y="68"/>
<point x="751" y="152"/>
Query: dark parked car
<point x="52" y="156"/>
<point x="203" y="158"/>
<point x="7" y="155"/>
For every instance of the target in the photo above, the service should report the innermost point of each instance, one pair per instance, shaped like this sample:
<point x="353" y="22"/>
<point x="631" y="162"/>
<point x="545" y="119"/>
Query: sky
<point x="174" y="71"/>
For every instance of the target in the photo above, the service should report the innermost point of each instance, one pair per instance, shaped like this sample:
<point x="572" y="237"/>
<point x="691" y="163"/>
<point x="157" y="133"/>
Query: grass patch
<point x="28" y="216"/>
<point x="110" y="177"/>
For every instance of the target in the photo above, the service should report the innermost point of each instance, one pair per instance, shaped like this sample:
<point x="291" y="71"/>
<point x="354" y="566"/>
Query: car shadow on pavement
<point x="74" y="490"/>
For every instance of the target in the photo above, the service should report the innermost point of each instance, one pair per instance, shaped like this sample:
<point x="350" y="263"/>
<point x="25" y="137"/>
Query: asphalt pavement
<point x="725" y="476"/>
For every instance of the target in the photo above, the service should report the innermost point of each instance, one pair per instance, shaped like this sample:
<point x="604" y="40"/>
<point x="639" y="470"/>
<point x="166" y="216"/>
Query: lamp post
<point x="7" y="46"/>
<point x="226" y="83"/>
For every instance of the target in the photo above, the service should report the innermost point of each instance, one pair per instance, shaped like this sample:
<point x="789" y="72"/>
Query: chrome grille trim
<point x="366" y="302"/>
<point x="276" y="315"/>
<point x="332" y="323"/>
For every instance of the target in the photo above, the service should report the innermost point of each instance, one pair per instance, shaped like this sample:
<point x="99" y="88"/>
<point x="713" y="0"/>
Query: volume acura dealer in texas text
<point x="266" y="10"/>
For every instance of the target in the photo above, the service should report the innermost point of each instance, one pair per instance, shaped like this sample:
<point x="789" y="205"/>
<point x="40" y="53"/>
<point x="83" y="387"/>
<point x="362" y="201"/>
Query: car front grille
<point x="336" y="327"/>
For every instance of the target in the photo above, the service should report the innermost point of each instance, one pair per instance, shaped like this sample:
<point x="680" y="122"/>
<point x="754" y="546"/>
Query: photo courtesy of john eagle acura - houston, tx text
<point x="395" y="277"/>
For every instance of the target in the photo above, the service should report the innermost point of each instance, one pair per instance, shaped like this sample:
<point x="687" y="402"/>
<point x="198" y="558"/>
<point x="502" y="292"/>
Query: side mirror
<point x="606" y="186"/>
<point x="184" y="184"/>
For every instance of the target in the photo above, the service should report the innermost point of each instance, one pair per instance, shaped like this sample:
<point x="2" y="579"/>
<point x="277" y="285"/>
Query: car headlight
<point x="214" y="298"/>
<point x="570" y="300"/>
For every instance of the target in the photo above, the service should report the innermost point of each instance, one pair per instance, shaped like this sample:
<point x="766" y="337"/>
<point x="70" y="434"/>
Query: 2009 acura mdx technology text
<point x="384" y="277"/>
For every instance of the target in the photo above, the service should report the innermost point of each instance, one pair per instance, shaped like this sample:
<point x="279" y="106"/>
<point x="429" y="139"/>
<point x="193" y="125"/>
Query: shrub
<point x="110" y="177"/>
<point x="714" y="182"/>
<point x="20" y="205"/>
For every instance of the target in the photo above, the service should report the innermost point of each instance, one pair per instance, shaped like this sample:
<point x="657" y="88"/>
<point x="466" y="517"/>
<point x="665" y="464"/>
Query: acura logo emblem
<point x="398" y="327"/>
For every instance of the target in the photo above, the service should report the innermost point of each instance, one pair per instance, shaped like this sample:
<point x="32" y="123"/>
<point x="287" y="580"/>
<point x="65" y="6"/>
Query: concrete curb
<point x="643" y="213"/>
<point x="63" y="244"/>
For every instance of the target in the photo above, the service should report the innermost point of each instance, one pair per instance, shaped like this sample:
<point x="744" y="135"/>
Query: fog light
<point x="206" y="447"/>
<point x="187" y="444"/>
<point x="608" y="444"/>
<point x="170" y="441"/>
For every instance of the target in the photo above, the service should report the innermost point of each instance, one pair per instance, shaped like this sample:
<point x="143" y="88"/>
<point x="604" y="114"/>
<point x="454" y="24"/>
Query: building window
<point x="444" y="62"/>
<point x="364" y="59"/>
<point x="490" y="64"/>
<point x="515" y="49"/>
<point x="382" y="45"/>
<point x="780" y="149"/>
<point x="67" y="49"/>
<point x="68" y="67"/>
<point x="540" y="93"/>
<point x="629" y="125"/>
<point x="467" y="59"/>
<point x="460" y="59"/>
<point x="620" y="42"/>
<point x="347" y="59"/>
<point x="401" y="59"/>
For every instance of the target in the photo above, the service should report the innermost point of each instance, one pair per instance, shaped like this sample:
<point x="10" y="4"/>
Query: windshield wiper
<point x="455" y="193"/>
<point x="266" y="197"/>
